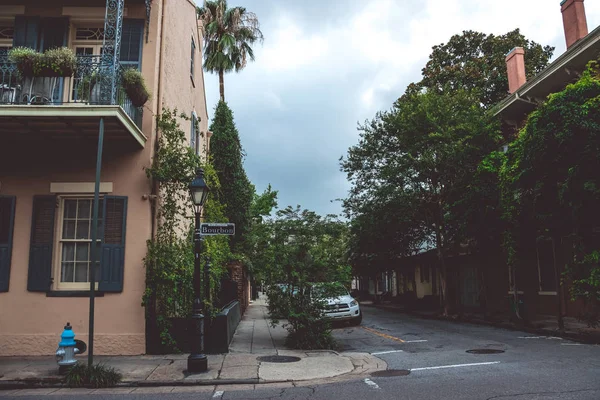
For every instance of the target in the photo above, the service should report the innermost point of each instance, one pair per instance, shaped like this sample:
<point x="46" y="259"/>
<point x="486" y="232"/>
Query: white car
<point x="343" y="308"/>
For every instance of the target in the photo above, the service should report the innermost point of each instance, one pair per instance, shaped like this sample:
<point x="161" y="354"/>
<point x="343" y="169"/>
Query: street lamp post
<point x="197" y="360"/>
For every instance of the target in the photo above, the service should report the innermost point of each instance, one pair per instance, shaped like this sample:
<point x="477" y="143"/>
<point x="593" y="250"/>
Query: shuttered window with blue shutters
<point x="7" y="222"/>
<point x="75" y="226"/>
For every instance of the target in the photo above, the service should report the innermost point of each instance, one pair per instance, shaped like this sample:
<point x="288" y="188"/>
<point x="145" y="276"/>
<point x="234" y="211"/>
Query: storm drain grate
<point x="391" y="372"/>
<point x="485" y="351"/>
<point x="279" y="359"/>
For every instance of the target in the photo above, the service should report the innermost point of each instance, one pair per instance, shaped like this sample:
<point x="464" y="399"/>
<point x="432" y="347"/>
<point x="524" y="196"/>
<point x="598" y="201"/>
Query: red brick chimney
<point x="515" y="67"/>
<point x="574" y="21"/>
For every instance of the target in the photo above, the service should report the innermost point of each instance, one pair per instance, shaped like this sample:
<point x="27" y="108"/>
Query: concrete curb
<point x="48" y="384"/>
<point x="575" y="336"/>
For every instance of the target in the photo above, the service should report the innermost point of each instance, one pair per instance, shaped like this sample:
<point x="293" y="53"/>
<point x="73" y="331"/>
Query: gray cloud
<point x="326" y="65"/>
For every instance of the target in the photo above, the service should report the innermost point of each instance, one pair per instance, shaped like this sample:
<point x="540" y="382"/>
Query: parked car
<point x="342" y="307"/>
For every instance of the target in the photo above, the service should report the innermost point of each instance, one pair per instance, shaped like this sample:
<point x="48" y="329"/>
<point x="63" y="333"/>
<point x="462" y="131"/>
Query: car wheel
<point x="356" y="321"/>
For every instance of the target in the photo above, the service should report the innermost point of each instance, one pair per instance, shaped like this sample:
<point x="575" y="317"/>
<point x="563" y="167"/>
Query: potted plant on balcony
<point x="58" y="62"/>
<point x="135" y="87"/>
<point x="26" y="59"/>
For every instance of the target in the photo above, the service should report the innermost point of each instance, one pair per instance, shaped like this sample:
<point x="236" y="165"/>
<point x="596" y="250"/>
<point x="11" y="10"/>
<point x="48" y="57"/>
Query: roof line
<point x="580" y="46"/>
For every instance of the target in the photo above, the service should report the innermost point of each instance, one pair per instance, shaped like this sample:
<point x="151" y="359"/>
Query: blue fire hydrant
<point x="67" y="348"/>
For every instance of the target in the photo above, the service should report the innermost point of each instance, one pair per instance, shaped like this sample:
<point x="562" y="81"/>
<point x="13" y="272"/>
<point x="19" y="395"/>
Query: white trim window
<point x="75" y="241"/>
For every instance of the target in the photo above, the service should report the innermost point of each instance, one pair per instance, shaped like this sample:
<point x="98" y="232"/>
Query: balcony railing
<point x="84" y="87"/>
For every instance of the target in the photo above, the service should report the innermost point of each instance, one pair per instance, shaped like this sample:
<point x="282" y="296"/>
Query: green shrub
<point x="135" y="86"/>
<point x="56" y="62"/>
<point x="53" y="62"/>
<point x="97" y="376"/>
<point x="308" y="328"/>
<point x="25" y="58"/>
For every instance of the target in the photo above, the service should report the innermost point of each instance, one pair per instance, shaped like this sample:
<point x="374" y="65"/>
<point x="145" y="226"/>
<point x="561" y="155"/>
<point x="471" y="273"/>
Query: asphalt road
<point x="431" y="362"/>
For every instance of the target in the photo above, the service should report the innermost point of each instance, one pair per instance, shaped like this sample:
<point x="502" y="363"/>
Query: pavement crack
<point x="504" y="396"/>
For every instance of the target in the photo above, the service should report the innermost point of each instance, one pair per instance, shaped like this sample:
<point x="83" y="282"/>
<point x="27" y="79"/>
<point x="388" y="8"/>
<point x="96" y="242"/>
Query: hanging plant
<point x="25" y="58"/>
<point x="59" y="62"/>
<point x="135" y="86"/>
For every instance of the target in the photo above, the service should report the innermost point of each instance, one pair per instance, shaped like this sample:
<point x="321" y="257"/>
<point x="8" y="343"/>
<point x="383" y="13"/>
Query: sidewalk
<point x="574" y="329"/>
<point x="253" y="338"/>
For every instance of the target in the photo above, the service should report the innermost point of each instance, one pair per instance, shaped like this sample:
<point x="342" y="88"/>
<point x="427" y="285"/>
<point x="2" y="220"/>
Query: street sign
<point x="207" y="229"/>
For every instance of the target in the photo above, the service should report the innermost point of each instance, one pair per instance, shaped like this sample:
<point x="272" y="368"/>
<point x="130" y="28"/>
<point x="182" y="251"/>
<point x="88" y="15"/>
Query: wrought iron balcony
<point x="83" y="88"/>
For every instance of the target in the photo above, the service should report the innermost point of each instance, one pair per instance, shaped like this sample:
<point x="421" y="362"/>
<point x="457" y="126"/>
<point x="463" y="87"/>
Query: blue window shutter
<point x="112" y="253"/>
<point x="131" y="42"/>
<point x="42" y="241"/>
<point x="55" y="32"/>
<point x="7" y="223"/>
<point x="26" y="32"/>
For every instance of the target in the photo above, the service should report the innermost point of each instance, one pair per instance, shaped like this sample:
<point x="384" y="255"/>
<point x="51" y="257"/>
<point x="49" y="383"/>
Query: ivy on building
<point x="169" y="260"/>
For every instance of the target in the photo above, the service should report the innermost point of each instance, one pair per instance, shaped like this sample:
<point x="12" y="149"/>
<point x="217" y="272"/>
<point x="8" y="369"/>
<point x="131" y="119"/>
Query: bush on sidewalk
<point x="97" y="376"/>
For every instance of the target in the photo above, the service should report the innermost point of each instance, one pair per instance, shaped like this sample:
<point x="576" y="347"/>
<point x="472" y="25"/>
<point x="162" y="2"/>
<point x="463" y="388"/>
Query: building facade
<point x="49" y="129"/>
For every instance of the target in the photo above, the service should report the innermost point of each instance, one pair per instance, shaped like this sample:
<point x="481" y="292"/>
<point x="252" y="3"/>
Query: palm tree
<point x="228" y="38"/>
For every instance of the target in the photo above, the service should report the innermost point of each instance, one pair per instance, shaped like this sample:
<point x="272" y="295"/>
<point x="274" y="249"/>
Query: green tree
<point x="229" y="34"/>
<point x="306" y="249"/>
<point x="227" y="156"/>
<point x="420" y="157"/>
<point x="551" y="187"/>
<point x="475" y="62"/>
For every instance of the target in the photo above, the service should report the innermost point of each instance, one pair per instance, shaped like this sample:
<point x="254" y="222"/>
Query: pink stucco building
<point x="48" y="144"/>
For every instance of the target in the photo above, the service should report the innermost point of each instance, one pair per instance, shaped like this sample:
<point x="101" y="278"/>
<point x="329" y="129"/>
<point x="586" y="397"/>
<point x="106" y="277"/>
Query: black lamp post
<point x="197" y="360"/>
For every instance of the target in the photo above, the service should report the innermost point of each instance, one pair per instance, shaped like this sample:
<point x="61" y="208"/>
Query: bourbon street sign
<point x="217" y="229"/>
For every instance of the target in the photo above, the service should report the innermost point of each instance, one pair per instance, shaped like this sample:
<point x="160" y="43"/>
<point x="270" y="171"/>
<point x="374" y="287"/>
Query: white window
<point x="87" y="43"/>
<point x="75" y="241"/>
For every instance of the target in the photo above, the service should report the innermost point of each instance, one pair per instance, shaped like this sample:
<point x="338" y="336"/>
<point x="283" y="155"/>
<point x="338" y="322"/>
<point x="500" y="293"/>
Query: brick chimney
<point x="515" y="67"/>
<point x="574" y="20"/>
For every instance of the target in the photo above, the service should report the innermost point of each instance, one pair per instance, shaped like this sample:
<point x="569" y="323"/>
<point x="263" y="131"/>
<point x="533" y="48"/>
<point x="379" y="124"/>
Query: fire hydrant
<point x="67" y="348"/>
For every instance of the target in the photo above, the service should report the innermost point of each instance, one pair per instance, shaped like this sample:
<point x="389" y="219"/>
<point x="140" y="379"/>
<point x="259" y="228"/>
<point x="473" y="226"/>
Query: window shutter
<point x="54" y="33"/>
<point x="7" y="222"/>
<point x="26" y="32"/>
<point x="42" y="241"/>
<point x="193" y="131"/>
<point x="112" y="253"/>
<point x="131" y="42"/>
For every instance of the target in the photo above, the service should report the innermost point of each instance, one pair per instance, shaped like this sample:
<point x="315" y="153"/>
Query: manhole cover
<point x="278" y="359"/>
<point x="391" y="372"/>
<point x="485" y="351"/>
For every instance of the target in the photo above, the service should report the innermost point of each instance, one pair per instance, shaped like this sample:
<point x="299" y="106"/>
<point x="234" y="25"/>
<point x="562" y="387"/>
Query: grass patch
<point x="97" y="376"/>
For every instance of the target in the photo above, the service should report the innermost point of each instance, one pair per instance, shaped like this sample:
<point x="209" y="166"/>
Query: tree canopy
<point x="475" y="62"/>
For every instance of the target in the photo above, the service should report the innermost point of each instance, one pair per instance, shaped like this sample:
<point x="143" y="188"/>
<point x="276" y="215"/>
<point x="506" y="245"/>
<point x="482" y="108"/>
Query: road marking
<point x="414" y="341"/>
<point x="371" y="383"/>
<point x="455" y="366"/>
<point x="387" y="352"/>
<point x="554" y="338"/>
<point x="218" y="394"/>
<point x="383" y="335"/>
<point x="570" y="344"/>
<point x="532" y="337"/>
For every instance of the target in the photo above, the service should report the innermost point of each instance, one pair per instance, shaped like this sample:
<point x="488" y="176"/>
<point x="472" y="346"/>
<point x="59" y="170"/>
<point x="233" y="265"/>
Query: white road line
<point x="414" y="341"/>
<point x="218" y="394"/>
<point x="388" y="352"/>
<point x="570" y="344"/>
<point x="455" y="366"/>
<point x="371" y="383"/>
<point x="531" y="337"/>
<point x="554" y="338"/>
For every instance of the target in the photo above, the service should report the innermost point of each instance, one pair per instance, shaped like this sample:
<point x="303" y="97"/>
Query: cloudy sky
<point x="326" y="65"/>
